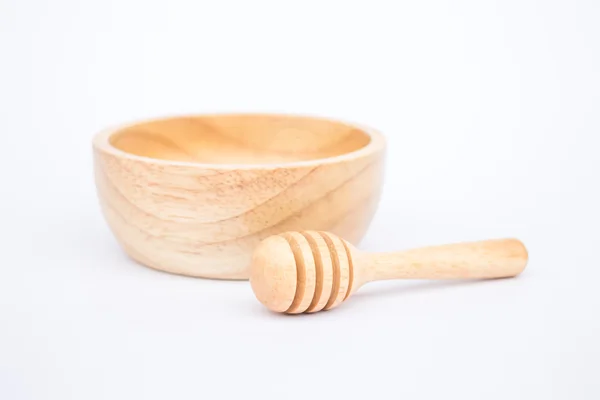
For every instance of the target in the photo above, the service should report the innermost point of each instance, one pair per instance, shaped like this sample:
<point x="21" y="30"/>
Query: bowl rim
<point x="377" y="142"/>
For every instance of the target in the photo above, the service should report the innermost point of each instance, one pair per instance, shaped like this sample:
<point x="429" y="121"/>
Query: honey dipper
<point x="297" y="272"/>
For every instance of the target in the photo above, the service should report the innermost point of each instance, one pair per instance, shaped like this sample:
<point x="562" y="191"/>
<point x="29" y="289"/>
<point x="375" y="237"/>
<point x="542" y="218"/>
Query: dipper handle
<point x="497" y="258"/>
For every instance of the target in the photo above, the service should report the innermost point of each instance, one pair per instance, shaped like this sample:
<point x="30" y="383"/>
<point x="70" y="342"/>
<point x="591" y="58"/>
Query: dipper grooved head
<point x="296" y="272"/>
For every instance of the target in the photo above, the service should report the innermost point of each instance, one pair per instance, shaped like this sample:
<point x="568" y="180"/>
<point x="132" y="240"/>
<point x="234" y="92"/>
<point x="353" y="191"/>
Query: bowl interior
<point x="249" y="139"/>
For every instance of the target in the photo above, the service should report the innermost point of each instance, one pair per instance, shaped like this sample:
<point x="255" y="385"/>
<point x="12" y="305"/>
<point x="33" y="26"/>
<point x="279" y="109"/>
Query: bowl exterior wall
<point x="196" y="221"/>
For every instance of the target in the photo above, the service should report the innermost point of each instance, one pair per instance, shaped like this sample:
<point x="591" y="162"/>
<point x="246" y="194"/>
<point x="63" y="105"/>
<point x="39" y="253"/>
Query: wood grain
<point x="294" y="279"/>
<point x="194" y="195"/>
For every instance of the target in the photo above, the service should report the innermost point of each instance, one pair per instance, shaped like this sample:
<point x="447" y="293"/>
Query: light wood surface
<point x="310" y="271"/>
<point x="194" y="195"/>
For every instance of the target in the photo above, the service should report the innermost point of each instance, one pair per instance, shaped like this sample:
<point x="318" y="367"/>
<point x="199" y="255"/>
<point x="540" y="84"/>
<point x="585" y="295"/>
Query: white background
<point x="492" y="113"/>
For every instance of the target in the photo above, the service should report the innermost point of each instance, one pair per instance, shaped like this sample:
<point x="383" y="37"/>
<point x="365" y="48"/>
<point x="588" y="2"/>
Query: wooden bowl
<point x="194" y="195"/>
